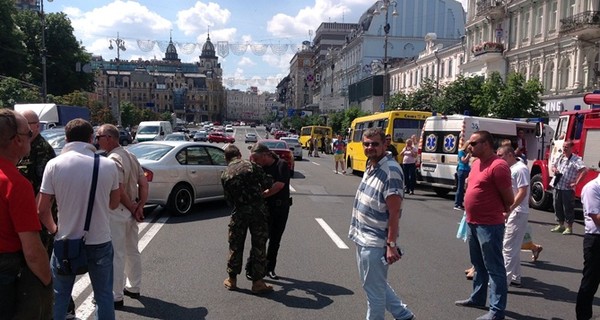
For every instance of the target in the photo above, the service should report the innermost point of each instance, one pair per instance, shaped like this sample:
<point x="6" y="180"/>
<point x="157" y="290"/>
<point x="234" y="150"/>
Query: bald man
<point x="32" y="166"/>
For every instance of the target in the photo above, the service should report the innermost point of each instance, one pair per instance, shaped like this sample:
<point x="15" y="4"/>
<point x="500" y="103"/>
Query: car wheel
<point x="209" y="140"/>
<point x="181" y="200"/>
<point x="539" y="198"/>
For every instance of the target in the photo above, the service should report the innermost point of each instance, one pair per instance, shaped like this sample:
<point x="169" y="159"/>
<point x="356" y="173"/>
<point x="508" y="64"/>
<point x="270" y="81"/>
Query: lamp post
<point x="120" y="43"/>
<point x="43" y="52"/>
<point x="385" y="5"/>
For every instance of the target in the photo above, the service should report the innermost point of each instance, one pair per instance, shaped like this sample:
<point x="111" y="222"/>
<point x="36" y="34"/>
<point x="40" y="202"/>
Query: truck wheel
<point x="442" y="192"/>
<point x="539" y="198"/>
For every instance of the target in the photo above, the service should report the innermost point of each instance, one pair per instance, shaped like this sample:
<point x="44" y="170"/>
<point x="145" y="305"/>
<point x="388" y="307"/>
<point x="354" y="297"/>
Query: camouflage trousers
<point x="239" y="225"/>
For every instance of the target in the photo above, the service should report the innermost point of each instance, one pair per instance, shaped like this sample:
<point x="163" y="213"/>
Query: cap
<point x="259" y="148"/>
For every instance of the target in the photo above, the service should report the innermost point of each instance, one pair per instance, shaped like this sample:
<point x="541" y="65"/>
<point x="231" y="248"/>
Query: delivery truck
<point x="55" y="115"/>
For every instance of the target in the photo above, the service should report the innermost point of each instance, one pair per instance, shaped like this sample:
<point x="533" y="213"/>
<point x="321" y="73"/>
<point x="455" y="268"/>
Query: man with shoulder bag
<point x="83" y="215"/>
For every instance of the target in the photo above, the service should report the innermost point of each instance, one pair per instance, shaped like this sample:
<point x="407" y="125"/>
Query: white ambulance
<point x="443" y="136"/>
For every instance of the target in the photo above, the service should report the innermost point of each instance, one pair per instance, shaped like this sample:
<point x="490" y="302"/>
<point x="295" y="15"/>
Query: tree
<point x="351" y="114"/>
<point x="336" y="120"/>
<point x="14" y="91"/>
<point x="457" y="97"/>
<point x="12" y="49"/>
<point x="63" y="53"/>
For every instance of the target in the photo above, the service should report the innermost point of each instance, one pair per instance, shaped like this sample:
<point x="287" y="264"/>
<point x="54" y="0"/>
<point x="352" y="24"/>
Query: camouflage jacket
<point x="32" y="166"/>
<point x="244" y="182"/>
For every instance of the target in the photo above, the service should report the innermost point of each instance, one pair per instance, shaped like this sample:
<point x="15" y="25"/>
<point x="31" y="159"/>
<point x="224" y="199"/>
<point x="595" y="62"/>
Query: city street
<point x="184" y="261"/>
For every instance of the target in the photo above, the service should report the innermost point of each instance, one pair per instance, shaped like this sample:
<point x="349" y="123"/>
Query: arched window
<point x="565" y="73"/>
<point x="535" y="72"/>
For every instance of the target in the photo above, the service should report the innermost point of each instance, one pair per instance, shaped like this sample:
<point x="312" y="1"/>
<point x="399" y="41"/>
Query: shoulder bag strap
<point x="88" y="217"/>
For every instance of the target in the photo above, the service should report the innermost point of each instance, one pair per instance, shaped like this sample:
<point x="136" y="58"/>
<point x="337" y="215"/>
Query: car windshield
<point x="250" y="135"/>
<point x="291" y="141"/>
<point x="148" y="130"/>
<point x="55" y="137"/>
<point x="149" y="151"/>
<point x="175" y="137"/>
<point x="275" y="144"/>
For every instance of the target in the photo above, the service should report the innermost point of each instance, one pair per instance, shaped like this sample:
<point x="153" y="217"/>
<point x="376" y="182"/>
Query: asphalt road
<point x="184" y="261"/>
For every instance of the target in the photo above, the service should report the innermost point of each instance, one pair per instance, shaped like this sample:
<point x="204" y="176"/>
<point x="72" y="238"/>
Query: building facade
<point x="193" y="91"/>
<point x="250" y="105"/>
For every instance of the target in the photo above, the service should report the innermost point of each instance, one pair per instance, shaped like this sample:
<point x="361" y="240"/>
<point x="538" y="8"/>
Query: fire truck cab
<point x="583" y="128"/>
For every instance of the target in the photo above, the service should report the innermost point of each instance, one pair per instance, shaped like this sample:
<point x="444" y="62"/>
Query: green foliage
<point x="12" y="48"/>
<point x="101" y="114"/>
<point x="12" y="91"/>
<point x="458" y="96"/>
<point x="165" y="116"/>
<point x="351" y="114"/>
<point x="336" y="120"/>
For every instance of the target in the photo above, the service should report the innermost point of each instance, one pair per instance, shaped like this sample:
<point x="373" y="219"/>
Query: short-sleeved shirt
<point x="339" y="147"/>
<point x="590" y="199"/>
<point x="69" y="178"/>
<point x="32" y="166"/>
<point x="129" y="170"/>
<point x="408" y="155"/>
<point x="520" y="178"/>
<point x="461" y="165"/>
<point x="370" y="216"/>
<point x="569" y="167"/>
<point x="18" y="211"/>
<point x="280" y="172"/>
<point x="483" y="202"/>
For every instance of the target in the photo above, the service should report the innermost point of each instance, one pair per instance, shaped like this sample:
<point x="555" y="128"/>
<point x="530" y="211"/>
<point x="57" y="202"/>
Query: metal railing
<point x="580" y="21"/>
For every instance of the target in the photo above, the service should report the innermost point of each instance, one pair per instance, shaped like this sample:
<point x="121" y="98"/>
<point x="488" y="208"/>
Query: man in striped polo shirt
<point x="374" y="227"/>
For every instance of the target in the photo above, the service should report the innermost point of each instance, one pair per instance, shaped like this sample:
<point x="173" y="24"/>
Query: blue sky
<point x="259" y="23"/>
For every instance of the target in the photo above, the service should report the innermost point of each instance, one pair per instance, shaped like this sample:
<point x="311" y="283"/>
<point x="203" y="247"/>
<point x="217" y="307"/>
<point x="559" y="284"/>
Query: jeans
<point x="461" y="176"/>
<point x="485" y="248"/>
<point x="591" y="276"/>
<point x="563" y="206"/>
<point x="127" y="262"/>
<point x="278" y="216"/>
<point x="100" y="269"/>
<point x="373" y="277"/>
<point x="410" y="176"/>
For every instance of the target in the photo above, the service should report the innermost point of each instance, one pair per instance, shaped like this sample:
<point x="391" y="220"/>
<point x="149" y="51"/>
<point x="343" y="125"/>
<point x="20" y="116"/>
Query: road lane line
<point x="315" y="163"/>
<point x="87" y="308"/>
<point x="334" y="237"/>
<point x="292" y="188"/>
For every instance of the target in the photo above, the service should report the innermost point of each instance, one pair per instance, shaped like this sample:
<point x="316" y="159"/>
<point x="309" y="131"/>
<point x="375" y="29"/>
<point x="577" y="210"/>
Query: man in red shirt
<point x="487" y="200"/>
<point x="28" y="295"/>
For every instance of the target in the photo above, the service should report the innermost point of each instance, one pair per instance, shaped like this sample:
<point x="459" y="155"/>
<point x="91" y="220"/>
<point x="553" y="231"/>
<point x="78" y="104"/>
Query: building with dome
<point x="193" y="91"/>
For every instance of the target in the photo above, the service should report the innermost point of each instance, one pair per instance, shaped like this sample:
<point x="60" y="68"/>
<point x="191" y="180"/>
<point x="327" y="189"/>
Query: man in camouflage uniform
<point x="244" y="183"/>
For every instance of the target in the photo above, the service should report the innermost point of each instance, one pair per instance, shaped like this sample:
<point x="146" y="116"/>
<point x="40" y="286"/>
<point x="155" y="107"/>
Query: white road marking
<point x="315" y="163"/>
<point x="87" y="308"/>
<point x="292" y="188"/>
<point x="334" y="237"/>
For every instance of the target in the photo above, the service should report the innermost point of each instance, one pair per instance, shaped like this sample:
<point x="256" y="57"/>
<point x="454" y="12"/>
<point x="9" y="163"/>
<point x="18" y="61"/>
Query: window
<point x="442" y="69"/>
<point x="549" y="76"/>
<point x="217" y="155"/>
<point x="565" y="72"/>
<point x="450" y="68"/>
<point x="539" y="20"/>
<point x="525" y="26"/>
<point x="553" y="12"/>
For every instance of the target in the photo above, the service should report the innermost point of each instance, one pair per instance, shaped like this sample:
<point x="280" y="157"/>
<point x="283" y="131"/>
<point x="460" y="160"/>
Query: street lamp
<point x="385" y="5"/>
<point x="43" y="51"/>
<point x="120" y="43"/>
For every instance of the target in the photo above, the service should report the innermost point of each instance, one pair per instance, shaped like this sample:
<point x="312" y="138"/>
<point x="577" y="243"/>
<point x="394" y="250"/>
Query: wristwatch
<point x="392" y="244"/>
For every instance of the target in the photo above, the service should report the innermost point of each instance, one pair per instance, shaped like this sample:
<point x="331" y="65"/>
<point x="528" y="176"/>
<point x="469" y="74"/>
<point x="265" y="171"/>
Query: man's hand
<point x="392" y="255"/>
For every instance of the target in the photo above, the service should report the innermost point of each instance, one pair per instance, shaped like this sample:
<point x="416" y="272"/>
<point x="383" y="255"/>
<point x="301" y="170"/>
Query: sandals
<point x="535" y="253"/>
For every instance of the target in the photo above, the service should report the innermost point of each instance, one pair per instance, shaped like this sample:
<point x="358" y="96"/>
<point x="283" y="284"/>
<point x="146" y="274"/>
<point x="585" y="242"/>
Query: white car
<point x="251" y="138"/>
<point x="181" y="173"/>
<point x="294" y="145"/>
<point x="228" y="128"/>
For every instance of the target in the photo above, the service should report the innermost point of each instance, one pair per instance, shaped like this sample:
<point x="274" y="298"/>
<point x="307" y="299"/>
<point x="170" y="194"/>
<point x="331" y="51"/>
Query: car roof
<point x="176" y="143"/>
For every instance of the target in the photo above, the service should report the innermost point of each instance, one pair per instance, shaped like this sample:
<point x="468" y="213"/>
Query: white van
<point x="442" y="137"/>
<point x="153" y="130"/>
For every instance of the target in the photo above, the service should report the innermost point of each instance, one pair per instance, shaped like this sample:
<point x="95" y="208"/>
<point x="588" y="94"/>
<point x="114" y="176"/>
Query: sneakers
<point x="558" y="229"/>
<point x="260" y="287"/>
<point x="491" y="316"/>
<point x="131" y="294"/>
<point x="516" y="284"/>
<point x="459" y="208"/>
<point x="230" y="283"/>
<point x="272" y="275"/>
<point x="568" y="231"/>
<point x="469" y="303"/>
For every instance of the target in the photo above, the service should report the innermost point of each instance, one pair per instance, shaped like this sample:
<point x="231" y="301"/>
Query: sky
<point x="258" y="26"/>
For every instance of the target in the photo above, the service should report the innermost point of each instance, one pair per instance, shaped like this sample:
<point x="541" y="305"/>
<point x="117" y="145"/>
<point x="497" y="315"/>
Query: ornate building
<point x="193" y="91"/>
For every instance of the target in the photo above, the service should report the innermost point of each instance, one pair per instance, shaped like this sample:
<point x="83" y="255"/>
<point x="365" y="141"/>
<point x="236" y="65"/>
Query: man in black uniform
<point x="278" y="200"/>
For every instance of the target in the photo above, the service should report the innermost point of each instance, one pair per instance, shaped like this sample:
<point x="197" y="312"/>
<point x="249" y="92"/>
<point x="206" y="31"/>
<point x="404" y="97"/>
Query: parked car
<point x="294" y="145"/>
<point x="177" y="136"/>
<point x="56" y="137"/>
<point x="201" y="136"/>
<point x="250" y="137"/>
<point x="278" y="134"/>
<point x="228" y="128"/>
<point x="220" y="137"/>
<point x="281" y="148"/>
<point x="124" y="137"/>
<point x="181" y="174"/>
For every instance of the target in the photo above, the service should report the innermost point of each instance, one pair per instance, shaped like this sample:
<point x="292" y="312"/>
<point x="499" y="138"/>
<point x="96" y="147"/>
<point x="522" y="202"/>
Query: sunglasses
<point x="369" y="144"/>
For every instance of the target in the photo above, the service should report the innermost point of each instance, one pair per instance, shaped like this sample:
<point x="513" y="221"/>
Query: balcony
<point x="488" y="51"/>
<point x="491" y="9"/>
<point x="586" y="24"/>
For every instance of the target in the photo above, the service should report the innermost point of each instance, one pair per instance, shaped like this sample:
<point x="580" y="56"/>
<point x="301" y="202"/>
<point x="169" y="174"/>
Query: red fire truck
<point x="583" y="128"/>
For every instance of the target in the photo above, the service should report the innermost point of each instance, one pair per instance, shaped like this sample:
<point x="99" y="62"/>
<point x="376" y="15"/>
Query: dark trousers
<point x="410" y="176"/>
<point x="591" y="276"/>
<point x="278" y="216"/>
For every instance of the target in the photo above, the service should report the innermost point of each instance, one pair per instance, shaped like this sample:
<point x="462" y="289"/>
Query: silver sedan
<point x="181" y="173"/>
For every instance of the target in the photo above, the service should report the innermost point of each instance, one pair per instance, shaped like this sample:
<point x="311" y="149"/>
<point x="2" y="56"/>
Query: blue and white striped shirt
<point x="369" y="224"/>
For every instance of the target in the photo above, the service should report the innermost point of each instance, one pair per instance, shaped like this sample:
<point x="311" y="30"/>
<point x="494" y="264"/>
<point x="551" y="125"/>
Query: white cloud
<point x="308" y="18"/>
<point x="201" y="16"/>
<point x="245" y="61"/>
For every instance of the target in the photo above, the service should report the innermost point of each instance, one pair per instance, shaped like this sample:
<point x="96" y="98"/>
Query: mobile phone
<point x="384" y="260"/>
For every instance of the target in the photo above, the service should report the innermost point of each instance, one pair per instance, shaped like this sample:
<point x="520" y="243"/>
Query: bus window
<point x="405" y="128"/>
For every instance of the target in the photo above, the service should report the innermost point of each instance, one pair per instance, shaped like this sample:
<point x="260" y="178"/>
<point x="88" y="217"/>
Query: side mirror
<point x="539" y="129"/>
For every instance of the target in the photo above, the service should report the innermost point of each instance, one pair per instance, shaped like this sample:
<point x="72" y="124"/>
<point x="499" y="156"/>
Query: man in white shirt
<point x="590" y="198"/>
<point x="68" y="180"/>
<point x="516" y="217"/>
